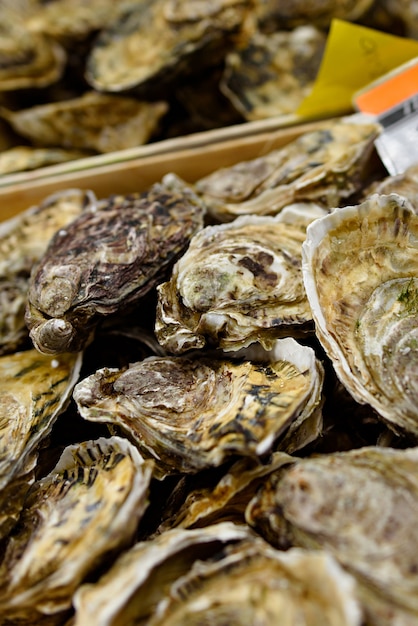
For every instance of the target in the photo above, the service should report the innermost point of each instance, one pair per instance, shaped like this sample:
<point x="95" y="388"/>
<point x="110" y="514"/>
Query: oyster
<point x="367" y="320"/>
<point x="23" y="240"/>
<point x="156" y="41"/>
<point x="236" y="284"/>
<point x="24" y="158"/>
<point x="88" y="507"/>
<point x="326" y="166"/>
<point x="93" y="121"/>
<point x="195" y="413"/>
<point x="27" y="59"/>
<point x="361" y="506"/>
<point x="106" y="260"/>
<point x="272" y="73"/>
<point x="405" y="184"/>
<point x="254" y="584"/>
<point x="139" y="579"/>
<point x="275" y="14"/>
<point x="35" y="389"/>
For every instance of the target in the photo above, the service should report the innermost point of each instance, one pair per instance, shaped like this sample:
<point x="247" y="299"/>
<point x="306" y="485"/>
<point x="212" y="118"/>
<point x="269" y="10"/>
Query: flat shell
<point x="24" y="158"/>
<point x="326" y="166"/>
<point x="93" y="121"/>
<point x="274" y="14"/>
<point x="106" y="260"/>
<point x="195" y="413"/>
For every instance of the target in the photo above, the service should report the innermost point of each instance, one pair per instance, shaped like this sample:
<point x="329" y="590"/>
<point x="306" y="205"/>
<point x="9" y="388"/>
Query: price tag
<point x="393" y="100"/>
<point x="354" y="57"/>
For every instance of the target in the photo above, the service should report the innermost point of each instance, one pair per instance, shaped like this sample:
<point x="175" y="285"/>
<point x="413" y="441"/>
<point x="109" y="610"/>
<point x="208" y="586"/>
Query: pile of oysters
<point x="85" y="78"/>
<point x="209" y="396"/>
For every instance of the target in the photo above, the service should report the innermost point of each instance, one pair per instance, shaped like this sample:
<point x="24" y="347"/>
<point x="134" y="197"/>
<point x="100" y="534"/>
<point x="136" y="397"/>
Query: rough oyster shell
<point x="272" y="73"/>
<point x="23" y="240"/>
<point x="35" y="389"/>
<point x="139" y="579"/>
<point x="195" y="413"/>
<point x="94" y="121"/>
<point x="237" y="283"/>
<point x="85" y="509"/>
<point x="156" y="41"/>
<point x="359" y="505"/>
<point x="326" y="165"/>
<point x="106" y="260"/>
<point x="254" y="584"/>
<point x="367" y="319"/>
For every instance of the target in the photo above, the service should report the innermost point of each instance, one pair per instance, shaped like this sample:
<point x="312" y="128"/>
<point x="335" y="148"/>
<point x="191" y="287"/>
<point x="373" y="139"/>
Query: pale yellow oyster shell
<point x="237" y="283"/>
<point x="24" y="158"/>
<point x="140" y="578"/>
<point x="271" y="74"/>
<point x="34" y="390"/>
<point x="255" y="584"/>
<point x="326" y="165"/>
<point x="27" y="59"/>
<point x="404" y="184"/>
<point x="360" y="272"/>
<point x="195" y="413"/>
<point x="155" y="41"/>
<point x="86" y="509"/>
<point x="93" y="121"/>
<point x="361" y="506"/>
<point x="23" y="240"/>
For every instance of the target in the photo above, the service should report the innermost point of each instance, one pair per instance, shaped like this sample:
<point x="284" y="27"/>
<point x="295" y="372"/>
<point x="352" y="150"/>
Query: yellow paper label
<point x="354" y="57"/>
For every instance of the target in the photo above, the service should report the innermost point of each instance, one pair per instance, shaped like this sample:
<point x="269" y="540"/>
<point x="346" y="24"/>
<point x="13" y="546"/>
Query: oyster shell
<point x="254" y="584"/>
<point x="128" y="593"/>
<point x="272" y="73"/>
<point x="35" y="389"/>
<point x="359" y="505"/>
<point x="27" y="59"/>
<point x="367" y="320"/>
<point x="24" y="158"/>
<point x="88" y="507"/>
<point x="275" y="14"/>
<point x="326" y="166"/>
<point x="237" y="283"/>
<point x="194" y="413"/>
<point x="154" y="42"/>
<point x="23" y="240"/>
<point x="93" y="121"/>
<point x="106" y="260"/>
<point x="405" y="184"/>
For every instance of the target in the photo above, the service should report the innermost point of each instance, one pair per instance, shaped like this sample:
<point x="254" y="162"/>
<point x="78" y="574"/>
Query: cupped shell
<point x="88" y="507"/>
<point x="194" y="413"/>
<point x="237" y="283"/>
<point x="359" y="505"/>
<point x="129" y="592"/>
<point x="106" y="260"/>
<point x="93" y="121"/>
<point x="325" y="165"/>
<point x="273" y="14"/>
<point x="360" y="272"/>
